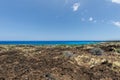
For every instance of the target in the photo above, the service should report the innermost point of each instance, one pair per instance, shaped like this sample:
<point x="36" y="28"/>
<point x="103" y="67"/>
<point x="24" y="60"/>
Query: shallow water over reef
<point x="48" y="42"/>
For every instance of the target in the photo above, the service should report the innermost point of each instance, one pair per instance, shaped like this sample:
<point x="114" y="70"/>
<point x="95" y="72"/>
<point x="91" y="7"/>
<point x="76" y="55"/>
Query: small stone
<point x="67" y="54"/>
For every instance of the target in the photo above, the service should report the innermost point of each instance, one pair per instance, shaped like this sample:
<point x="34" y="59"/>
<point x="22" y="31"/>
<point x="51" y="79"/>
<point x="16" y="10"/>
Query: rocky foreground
<point x="86" y="62"/>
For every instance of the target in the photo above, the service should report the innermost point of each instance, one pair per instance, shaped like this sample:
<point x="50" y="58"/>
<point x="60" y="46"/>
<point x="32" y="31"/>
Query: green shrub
<point x="118" y="50"/>
<point x="96" y="51"/>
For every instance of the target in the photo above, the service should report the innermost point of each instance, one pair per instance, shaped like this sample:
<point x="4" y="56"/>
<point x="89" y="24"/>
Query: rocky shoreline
<point x="80" y="62"/>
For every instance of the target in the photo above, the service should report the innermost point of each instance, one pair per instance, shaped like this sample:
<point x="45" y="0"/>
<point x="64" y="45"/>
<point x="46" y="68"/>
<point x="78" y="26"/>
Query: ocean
<point x="48" y="42"/>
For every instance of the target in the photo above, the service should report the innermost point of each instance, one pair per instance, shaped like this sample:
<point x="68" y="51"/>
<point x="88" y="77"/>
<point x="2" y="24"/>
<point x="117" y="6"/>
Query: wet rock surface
<point x="24" y="62"/>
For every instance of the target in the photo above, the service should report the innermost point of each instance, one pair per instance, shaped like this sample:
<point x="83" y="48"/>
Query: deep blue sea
<point x="48" y="42"/>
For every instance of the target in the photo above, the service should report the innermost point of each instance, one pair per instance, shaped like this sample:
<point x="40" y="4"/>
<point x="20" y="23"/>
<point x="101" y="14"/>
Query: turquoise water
<point x="48" y="42"/>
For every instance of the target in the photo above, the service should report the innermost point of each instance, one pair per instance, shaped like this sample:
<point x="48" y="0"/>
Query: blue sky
<point x="59" y="19"/>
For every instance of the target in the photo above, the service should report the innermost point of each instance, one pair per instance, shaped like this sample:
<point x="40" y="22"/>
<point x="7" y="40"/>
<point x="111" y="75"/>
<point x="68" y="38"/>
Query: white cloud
<point x="76" y="6"/>
<point x="91" y="19"/>
<point x="116" y="1"/>
<point x="117" y="23"/>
